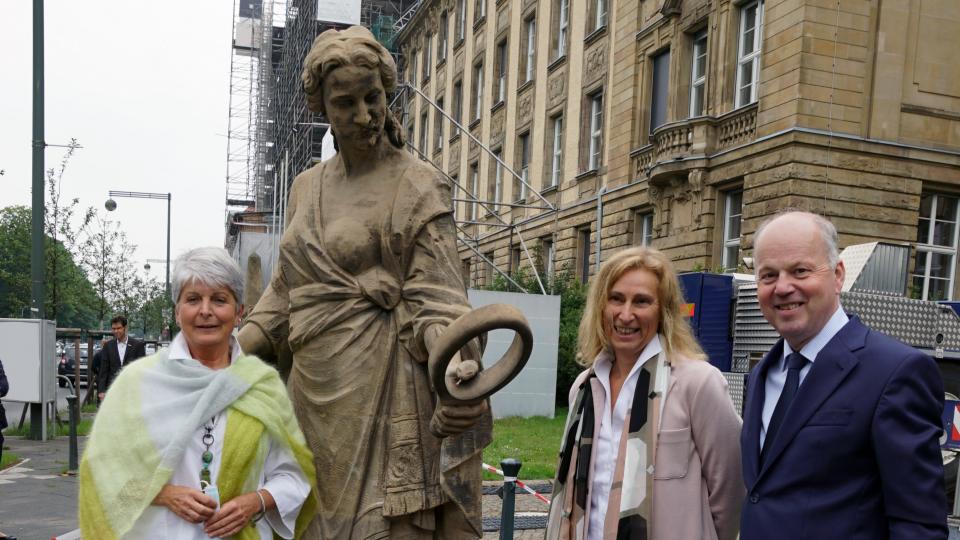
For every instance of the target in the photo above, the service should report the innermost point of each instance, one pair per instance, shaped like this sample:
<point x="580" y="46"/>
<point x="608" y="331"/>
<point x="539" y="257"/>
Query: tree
<point x="99" y="254"/>
<point x="76" y="298"/>
<point x="59" y="229"/>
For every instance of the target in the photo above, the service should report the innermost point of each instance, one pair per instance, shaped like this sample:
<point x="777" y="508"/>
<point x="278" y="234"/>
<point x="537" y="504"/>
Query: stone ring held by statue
<point x="456" y="336"/>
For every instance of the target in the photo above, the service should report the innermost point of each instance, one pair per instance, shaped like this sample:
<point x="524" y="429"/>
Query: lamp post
<point x="111" y="205"/>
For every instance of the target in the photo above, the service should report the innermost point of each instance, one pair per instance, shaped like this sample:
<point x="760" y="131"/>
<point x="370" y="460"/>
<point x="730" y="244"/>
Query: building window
<point x="442" y="38"/>
<point x="495" y="186"/>
<point x="423" y="134"/>
<point x="643" y="229"/>
<point x="427" y="53"/>
<point x="461" y="19"/>
<point x="479" y="10"/>
<point x="548" y="256"/>
<point x="488" y="268"/>
<point x="749" y="39"/>
<point x="528" y="60"/>
<point x="583" y="254"/>
<point x="598" y="14"/>
<point x="474" y="190"/>
<point x="477" y="89"/>
<point x="438" y="126"/>
<point x="500" y="88"/>
<point x="523" y="158"/>
<point x="457" y="105"/>
<point x="698" y="74"/>
<point x="595" y="122"/>
<point x="413" y="67"/>
<point x="936" y="261"/>
<point x="514" y="261"/>
<point x="732" y="218"/>
<point x="465" y="271"/>
<point x="660" y="90"/>
<point x="561" y="27"/>
<point x="556" y="150"/>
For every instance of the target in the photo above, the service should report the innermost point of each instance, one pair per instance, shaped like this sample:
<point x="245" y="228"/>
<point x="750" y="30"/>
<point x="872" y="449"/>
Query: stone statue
<point x="368" y="279"/>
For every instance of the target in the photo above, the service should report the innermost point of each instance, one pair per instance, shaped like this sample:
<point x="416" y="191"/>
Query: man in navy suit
<point x="842" y="424"/>
<point x="116" y="354"/>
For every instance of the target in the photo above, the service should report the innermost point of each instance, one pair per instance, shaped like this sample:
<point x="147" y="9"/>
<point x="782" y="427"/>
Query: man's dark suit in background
<point x="856" y="455"/>
<point x="110" y="360"/>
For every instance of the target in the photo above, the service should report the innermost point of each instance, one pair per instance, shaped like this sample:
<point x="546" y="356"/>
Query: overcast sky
<point x="144" y="86"/>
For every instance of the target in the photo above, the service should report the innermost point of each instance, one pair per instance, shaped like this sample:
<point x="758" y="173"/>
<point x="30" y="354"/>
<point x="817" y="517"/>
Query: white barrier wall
<point x="29" y="354"/>
<point x="532" y="392"/>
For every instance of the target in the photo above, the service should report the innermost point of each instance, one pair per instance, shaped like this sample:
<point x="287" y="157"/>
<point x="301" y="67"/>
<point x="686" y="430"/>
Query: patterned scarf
<point x="635" y="458"/>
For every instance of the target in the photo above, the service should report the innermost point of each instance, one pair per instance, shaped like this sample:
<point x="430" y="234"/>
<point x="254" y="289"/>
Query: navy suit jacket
<point x="858" y="453"/>
<point x="110" y="364"/>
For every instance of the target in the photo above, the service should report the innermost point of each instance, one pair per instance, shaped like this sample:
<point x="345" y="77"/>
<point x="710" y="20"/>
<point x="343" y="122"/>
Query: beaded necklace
<point x="207" y="456"/>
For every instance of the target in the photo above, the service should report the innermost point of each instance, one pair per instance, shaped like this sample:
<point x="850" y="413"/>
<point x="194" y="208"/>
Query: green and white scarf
<point x="153" y="408"/>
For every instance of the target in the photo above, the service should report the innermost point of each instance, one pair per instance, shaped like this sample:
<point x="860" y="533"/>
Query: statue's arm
<point x="266" y="329"/>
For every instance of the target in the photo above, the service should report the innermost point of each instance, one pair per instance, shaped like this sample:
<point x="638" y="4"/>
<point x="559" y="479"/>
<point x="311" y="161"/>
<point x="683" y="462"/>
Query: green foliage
<point x="54" y="429"/>
<point x="573" y="297"/>
<point x="8" y="459"/>
<point x="72" y="302"/>
<point x="535" y="441"/>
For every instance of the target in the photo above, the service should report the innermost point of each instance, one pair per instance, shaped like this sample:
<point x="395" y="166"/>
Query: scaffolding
<point x="273" y="136"/>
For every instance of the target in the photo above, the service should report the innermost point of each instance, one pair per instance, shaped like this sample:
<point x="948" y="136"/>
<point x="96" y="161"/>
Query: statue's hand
<point x="453" y="419"/>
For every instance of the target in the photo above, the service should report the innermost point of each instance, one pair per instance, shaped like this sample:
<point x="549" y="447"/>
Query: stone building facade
<point x="684" y="123"/>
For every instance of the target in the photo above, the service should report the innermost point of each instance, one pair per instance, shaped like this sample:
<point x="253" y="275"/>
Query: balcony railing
<point x="698" y="137"/>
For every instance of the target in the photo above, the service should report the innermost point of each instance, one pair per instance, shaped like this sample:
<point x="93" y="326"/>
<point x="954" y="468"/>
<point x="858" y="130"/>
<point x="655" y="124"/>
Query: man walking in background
<point x="117" y="353"/>
<point x="841" y="426"/>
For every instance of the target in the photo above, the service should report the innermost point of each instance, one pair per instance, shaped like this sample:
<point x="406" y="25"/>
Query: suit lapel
<point x="833" y="365"/>
<point x="754" y="414"/>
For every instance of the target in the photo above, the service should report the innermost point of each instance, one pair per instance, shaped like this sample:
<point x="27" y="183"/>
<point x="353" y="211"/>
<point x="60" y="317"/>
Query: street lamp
<point x="111" y="205"/>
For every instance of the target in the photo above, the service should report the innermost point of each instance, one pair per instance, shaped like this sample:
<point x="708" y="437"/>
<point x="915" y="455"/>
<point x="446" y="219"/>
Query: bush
<point x="573" y="295"/>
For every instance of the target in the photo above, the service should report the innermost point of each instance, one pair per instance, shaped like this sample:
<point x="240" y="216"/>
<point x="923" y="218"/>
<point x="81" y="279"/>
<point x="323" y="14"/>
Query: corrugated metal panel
<point x="876" y="268"/>
<point x="914" y="322"/>
<point x="736" y="383"/>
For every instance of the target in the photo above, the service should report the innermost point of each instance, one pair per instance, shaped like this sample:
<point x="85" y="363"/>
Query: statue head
<point x="357" y="51"/>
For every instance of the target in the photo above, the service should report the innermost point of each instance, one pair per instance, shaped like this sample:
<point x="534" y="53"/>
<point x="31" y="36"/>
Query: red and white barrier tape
<point x="527" y="488"/>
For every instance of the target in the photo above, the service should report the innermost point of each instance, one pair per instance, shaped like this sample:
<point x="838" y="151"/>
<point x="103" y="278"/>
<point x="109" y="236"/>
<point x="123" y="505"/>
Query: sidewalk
<point x="38" y="501"/>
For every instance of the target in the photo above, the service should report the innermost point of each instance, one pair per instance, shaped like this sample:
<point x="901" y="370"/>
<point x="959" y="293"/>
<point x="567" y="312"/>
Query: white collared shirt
<point x="122" y="349"/>
<point x="777" y="374"/>
<point x="281" y="476"/>
<point x="606" y="443"/>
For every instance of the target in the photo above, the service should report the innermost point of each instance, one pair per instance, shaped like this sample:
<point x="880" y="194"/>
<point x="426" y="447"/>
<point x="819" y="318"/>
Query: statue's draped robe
<point x="359" y="381"/>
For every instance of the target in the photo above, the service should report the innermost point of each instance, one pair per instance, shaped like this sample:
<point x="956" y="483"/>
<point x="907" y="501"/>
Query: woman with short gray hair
<point x="198" y="440"/>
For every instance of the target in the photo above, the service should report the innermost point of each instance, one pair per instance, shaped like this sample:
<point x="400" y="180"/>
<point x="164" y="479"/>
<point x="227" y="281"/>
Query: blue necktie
<point x="795" y="362"/>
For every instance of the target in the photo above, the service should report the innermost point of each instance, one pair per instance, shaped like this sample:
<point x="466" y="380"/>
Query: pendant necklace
<point x="207" y="456"/>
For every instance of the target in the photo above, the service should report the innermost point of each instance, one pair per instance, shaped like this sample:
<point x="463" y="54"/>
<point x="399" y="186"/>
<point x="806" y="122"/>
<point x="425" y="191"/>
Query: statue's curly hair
<point x="354" y="46"/>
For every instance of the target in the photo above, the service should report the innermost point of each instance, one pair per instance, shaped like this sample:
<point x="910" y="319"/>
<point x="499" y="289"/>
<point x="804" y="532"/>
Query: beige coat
<point x="698" y="486"/>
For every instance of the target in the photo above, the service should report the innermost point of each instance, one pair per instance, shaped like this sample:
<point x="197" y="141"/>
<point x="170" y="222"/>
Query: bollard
<point x="74" y="408"/>
<point x="511" y="467"/>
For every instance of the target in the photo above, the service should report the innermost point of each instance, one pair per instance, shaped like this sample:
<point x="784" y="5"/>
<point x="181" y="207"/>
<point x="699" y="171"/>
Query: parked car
<point x="68" y="362"/>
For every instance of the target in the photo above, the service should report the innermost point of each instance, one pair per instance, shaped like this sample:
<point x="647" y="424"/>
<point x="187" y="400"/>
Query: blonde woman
<point x="651" y="444"/>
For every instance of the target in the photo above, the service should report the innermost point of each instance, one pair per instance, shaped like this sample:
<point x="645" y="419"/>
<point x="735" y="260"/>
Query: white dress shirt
<point x="777" y="374"/>
<point x="606" y="443"/>
<point x="122" y="349"/>
<point x="281" y="476"/>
